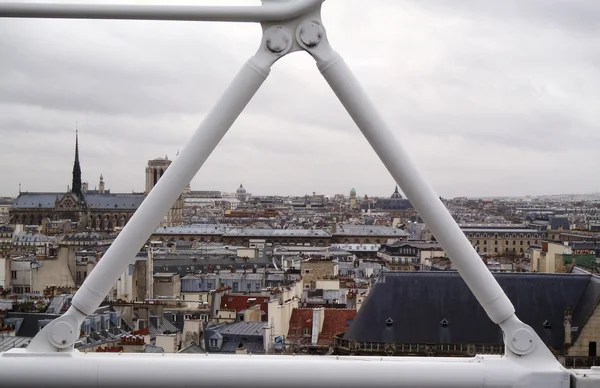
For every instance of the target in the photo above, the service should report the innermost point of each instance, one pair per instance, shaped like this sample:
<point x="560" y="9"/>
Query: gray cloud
<point x="487" y="97"/>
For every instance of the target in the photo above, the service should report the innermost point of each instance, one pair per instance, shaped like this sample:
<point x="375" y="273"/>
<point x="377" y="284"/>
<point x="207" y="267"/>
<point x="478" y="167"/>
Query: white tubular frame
<point x="292" y="25"/>
<point x="273" y="11"/>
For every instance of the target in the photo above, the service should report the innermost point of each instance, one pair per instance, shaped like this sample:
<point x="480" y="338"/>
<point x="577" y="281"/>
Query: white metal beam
<point x="270" y="11"/>
<point x="101" y="370"/>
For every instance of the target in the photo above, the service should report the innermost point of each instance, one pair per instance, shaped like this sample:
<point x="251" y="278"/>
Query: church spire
<point x="76" y="185"/>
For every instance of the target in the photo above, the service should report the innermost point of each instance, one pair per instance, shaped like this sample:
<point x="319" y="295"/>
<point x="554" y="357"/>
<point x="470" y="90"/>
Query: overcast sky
<point x="488" y="97"/>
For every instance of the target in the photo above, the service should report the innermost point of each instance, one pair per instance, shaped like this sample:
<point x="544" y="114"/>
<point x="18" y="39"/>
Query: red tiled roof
<point x="335" y="322"/>
<point x="241" y="303"/>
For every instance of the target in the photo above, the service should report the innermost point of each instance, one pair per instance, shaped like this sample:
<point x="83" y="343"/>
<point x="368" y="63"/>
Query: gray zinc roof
<point x="248" y="232"/>
<point x="369" y="230"/>
<point x="201" y="229"/>
<point x="244" y="328"/>
<point x="7" y="343"/>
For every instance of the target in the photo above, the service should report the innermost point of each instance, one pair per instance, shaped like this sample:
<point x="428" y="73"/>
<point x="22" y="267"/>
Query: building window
<point x="496" y="242"/>
<point x="496" y="249"/>
<point x="78" y="275"/>
<point x="592" y="349"/>
<point x="521" y="242"/>
<point x="307" y="331"/>
<point x="214" y="343"/>
<point x="13" y="274"/>
<point x="257" y="286"/>
<point x="27" y="289"/>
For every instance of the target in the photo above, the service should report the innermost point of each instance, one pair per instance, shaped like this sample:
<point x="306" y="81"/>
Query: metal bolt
<point x="311" y="33"/>
<point x="278" y="40"/>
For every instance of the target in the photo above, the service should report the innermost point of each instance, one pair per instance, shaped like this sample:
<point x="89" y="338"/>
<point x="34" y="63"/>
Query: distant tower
<point x="353" y="203"/>
<point x="101" y="185"/>
<point x="76" y="184"/>
<point x="155" y="170"/>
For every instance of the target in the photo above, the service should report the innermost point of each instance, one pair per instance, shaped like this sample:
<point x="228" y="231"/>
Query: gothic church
<point x="98" y="210"/>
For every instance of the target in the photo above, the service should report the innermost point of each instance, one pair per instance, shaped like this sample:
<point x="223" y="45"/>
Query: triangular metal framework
<point x="288" y="26"/>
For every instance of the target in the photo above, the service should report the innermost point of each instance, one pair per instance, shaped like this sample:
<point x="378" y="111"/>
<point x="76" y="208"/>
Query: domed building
<point x="241" y="193"/>
<point x="394" y="202"/>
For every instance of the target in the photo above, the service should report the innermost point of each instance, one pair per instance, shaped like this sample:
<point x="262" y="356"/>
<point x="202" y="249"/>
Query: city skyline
<point x="508" y="111"/>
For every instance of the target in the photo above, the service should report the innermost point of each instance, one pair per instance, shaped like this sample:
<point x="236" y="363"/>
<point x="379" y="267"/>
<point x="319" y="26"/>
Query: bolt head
<point x="522" y="341"/>
<point x="311" y="33"/>
<point x="61" y="333"/>
<point x="277" y="40"/>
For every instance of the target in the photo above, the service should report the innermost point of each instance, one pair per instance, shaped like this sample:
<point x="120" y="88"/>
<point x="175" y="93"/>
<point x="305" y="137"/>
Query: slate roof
<point x="234" y="335"/>
<point x="160" y="326"/>
<point x="153" y="349"/>
<point x="114" y="201"/>
<point x="192" y="349"/>
<point x="251" y="347"/>
<point x="93" y="200"/>
<point x="36" y="200"/>
<point x="29" y="325"/>
<point x="25" y="237"/>
<point x="244" y="328"/>
<point x="415" y="303"/>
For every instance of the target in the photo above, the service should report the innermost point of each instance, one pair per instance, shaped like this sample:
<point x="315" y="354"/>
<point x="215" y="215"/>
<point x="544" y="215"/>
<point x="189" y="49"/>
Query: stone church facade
<point x="98" y="210"/>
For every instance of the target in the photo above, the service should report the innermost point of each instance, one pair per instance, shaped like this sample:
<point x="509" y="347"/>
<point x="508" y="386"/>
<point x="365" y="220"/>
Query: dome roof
<point x="396" y="194"/>
<point x="241" y="189"/>
<point x="353" y="191"/>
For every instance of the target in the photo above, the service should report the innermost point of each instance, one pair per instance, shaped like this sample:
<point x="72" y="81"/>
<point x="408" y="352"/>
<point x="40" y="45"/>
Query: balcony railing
<point x="575" y="362"/>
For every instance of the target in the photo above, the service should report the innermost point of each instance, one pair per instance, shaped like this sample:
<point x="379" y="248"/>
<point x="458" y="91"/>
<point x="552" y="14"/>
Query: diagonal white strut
<point x="526" y="355"/>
